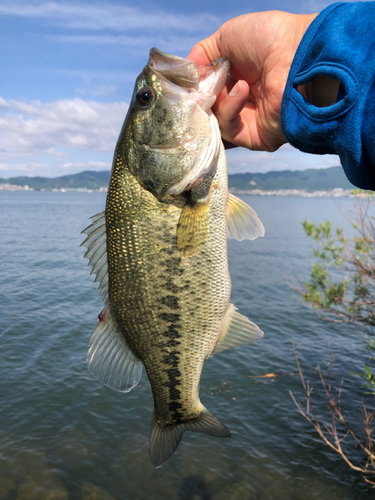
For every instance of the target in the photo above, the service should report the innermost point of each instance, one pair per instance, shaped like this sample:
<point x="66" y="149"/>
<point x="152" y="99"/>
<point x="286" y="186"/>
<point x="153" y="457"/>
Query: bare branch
<point x="330" y="436"/>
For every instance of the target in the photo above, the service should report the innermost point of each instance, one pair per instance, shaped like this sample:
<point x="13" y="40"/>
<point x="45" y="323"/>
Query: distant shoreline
<point x="306" y="183"/>
<point x="333" y="193"/>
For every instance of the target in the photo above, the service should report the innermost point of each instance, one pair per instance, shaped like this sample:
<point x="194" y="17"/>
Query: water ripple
<point x="64" y="434"/>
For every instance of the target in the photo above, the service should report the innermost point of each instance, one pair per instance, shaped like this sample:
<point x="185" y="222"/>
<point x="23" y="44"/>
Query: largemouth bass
<point x="159" y="251"/>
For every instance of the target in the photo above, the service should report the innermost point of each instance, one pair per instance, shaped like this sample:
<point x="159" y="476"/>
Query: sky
<point x="68" y="70"/>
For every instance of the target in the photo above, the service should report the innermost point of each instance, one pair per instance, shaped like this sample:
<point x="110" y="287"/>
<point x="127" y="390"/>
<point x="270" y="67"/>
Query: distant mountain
<point x="87" y="179"/>
<point x="309" y="180"/>
<point x="324" y="179"/>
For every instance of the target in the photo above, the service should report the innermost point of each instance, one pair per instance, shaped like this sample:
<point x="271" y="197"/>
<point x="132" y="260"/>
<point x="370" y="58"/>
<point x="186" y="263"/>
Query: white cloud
<point x="67" y="136"/>
<point x="99" y="16"/>
<point x="29" y="129"/>
<point x="285" y="158"/>
<point x="56" y="131"/>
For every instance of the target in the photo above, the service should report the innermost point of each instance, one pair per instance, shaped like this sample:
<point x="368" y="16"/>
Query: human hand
<point x="261" y="48"/>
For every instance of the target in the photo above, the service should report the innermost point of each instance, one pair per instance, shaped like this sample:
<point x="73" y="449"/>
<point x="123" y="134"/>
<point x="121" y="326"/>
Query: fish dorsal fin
<point x="96" y="244"/>
<point x="238" y="331"/>
<point x="243" y="222"/>
<point x="109" y="357"/>
<point x="192" y="228"/>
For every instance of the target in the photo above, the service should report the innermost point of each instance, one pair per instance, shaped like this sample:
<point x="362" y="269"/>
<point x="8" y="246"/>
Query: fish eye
<point x="145" y="96"/>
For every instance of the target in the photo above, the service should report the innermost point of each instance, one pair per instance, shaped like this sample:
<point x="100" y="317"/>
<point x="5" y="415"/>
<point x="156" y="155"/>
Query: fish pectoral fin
<point x="109" y="357"/>
<point x="243" y="222"/>
<point x="192" y="228"/>
<point x="238" y="331"/>
<point x="164" y="440"/>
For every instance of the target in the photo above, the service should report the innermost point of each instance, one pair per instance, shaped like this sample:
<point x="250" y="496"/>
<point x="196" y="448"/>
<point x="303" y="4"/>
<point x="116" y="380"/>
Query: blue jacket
<point x="340" y="43"/>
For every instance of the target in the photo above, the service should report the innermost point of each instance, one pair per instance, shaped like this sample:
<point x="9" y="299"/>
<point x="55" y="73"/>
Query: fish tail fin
<point x="164" y="440"/>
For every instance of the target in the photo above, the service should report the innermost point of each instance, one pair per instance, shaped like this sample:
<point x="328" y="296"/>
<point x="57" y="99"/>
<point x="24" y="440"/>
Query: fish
<point x="159" y="250"/>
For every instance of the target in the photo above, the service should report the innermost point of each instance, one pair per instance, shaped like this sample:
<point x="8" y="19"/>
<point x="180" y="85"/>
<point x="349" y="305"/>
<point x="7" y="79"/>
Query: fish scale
<point x="164" y="275"/>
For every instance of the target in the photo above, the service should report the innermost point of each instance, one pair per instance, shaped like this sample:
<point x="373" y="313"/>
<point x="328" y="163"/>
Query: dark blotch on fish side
<point x="171" y="287"/>
<point x="170" y="317"/>
<point x="174" y="394"/>
<point x="171" y="332"/>
<point x="172" y="263"/>
<point x="174" y="406"/>
<point x="170" y="301"/>
<point x="173" y="343"/>
<point x="173" y="374"/>
<point x="172" y="335"/>
<point x="172" y="359"/>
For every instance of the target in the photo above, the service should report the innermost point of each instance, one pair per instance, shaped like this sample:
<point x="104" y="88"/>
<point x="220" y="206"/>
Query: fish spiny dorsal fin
<point x="96" y="244"/>
<point x="243" y="222"/>
<point x="238" y="331"/>
<point x="110" y="359"/>
<point x="164" y="440"/>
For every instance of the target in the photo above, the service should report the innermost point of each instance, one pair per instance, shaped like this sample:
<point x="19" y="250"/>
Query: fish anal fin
<point x="165" y="439"/>
<point x="243" y="222"/>
<point x="192" y="228"/>
<point x="109" y="357"/>
<point x="238" y="330"/>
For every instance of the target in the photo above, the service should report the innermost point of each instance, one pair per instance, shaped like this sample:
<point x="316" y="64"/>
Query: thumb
<point x="205" y="51"/>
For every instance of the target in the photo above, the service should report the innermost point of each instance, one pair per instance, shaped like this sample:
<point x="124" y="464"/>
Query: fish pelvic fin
<point x="164" y="440"/>
<point x="243" y="222"/>
<point x="238" y="330"/>
<point x="109" y="357"/>
<point x="192" y="228"/>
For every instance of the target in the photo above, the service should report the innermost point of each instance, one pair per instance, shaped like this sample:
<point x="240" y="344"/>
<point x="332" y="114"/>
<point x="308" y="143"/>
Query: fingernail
<point x="235" y="90"/>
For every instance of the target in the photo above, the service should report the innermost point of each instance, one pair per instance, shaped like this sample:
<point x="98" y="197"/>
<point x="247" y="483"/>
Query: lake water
<point x="65" y="436"/>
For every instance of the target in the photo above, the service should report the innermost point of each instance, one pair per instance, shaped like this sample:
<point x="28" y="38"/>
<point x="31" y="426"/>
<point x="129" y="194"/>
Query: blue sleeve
<point x="340" y="43"/>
